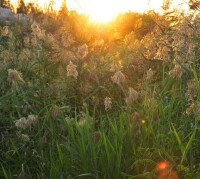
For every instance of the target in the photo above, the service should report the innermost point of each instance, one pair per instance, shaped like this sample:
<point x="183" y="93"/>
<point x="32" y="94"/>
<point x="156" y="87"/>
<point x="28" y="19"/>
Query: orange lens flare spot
<point x="163" y="165"/>
<point x="143" y="121"/>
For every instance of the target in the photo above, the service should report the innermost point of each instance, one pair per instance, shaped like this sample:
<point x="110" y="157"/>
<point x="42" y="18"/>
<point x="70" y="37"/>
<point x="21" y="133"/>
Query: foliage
<point x="80" y="101"/>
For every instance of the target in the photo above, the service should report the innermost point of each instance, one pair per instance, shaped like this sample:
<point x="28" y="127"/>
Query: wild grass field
<point x="113" y="101"/>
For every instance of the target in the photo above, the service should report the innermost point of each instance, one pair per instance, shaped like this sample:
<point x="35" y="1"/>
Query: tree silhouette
<point x="63" y="9"/>
<point x="21" y="7"/>
<point x="5" y="3"/>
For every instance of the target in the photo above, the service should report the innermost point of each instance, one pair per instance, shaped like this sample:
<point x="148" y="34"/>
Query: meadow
<point x="86" y="100"/>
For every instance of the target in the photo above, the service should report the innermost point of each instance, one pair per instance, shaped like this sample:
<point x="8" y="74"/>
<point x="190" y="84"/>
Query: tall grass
<point x="68" y="130"/>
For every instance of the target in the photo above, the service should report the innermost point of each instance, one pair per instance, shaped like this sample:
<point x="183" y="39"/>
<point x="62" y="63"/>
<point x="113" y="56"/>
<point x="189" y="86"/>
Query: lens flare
<point x="105" y="10"/>
<point x="101" y="10"/>
<point x="163" y="165"/>
<point x="143" y="121"/>
<point x="164" y="171"/>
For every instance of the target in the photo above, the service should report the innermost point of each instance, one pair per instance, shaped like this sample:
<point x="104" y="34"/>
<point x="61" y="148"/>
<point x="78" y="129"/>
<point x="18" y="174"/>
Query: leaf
<point x="60" y="154"/>
<point x="178" y="139"/>
<point x="4" y="172"/>
<point x="86" y="175"/>
<point x="188" y="145"/>
<point x="196" y="80"/>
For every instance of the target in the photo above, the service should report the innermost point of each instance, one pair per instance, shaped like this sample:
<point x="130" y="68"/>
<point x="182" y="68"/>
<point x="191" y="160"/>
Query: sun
<point x="105" y="10"/>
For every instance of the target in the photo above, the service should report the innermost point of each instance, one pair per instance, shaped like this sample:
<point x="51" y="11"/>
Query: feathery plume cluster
<point x="67" y="56"/>
<point x="65" y="35"/>
<point x="24" y="123"/>
<point x="35" y="28"/>
<point x="189" y="109"/>
<point x="163" y="53"/>
<point x="9" y="57"/>
<point x="192" y="89"/>
<point x="37" y="31"/>
<point x="95" y="100"/>
<point x="4" y="31"/>
<point x="83" y="118"/>
<point x="69" y="120"/>
<point x="50" y="40"/>
<point x="11" y="44"/>
<point x="151" y="103"/>
<point x="82" y="51"/>
<point x="87" y="87"/>
<point x="67" y="41"/>
<point x="27" y="41"/>
<point x="55" y="112"/>
<point x="21" y="123"/>
<point x="132" y="96"/>
<point x="97" y="45"/>
<point x="42" y="34"/>
<point x="34" y="41"/>
<point x="25" y="56"/>
<point x="32" y="119"/>
<point x="118" y="77"/>
<point x="166" y="4"/>
<point x="71" y="70"/>
<point x="177" y="72"/>
<point x="107" y="103"/>
<point x="150" y="74"/>
<point x="2" y="68"/>
<point x="82" y="122"/>
<point x="15" y="77"/>
<point x="129" y="38"/>
<point x="195" y="108"/>
<point x="23" y="136"/>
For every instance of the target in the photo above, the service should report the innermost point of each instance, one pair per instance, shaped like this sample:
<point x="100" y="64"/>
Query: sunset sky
<point x="105" y="10"/>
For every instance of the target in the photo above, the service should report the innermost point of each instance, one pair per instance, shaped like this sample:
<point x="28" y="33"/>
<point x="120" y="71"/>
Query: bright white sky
<point x="105" y="10"/>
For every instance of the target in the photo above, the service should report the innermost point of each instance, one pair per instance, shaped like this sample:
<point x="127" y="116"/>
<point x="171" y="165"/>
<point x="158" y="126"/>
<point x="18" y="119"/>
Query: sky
<point x="105" y="10"/>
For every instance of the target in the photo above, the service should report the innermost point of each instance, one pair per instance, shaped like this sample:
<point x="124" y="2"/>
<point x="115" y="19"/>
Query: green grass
<point x="124" y="142"/>
<point x="121" y="152"/>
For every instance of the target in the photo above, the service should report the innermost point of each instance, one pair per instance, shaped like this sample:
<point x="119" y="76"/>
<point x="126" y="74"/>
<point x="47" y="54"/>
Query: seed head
<point x="71" y="70"/>
<point x="118" y="77"/>
<point x="107" y="103"/>
<point x="23" y="136"/>
<point x="21" y="123"/>
<point x="32" y="119"/>
<point x="4" y="31"/>
<point x="15" y="77"/>
<point x="55" y="112"/>
<point x="132" y="97"/>
<point x="82" y="51"/>
<point x="150" y="74"/>
<point x="26" y="41"/>
<point x="177" y="72"/>
<point x="34" y="41"/>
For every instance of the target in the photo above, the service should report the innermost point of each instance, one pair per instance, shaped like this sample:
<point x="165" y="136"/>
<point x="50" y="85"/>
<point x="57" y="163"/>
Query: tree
<point x="63" y="9"/>
<point x="5" y="3"/>
<point x="21" y="7"/>
<point x="51" y="6"/>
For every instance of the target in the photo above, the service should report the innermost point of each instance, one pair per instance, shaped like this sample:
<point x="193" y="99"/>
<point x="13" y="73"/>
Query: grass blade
<point x="188" y="145"/>
<point x="4" y="172"/>
<point x="178" y="139"/>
